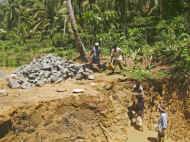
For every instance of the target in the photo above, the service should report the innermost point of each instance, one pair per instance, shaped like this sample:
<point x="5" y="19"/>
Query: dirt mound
<point x="74" y="119"/>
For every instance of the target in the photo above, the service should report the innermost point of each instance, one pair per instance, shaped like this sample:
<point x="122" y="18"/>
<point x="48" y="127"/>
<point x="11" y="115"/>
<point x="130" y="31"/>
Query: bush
<point x="60" y="40"/>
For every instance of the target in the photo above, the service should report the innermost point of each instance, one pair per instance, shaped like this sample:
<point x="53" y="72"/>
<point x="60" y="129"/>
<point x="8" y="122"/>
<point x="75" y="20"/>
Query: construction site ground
<point x="53" y="113"/>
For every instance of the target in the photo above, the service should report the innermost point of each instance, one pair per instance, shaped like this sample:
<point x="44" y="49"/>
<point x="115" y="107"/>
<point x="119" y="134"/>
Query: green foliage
<point x="143" y="74"/>
<point x="141" y="28"/>
<point x="13" y="54"/>
<point x="61" y="40"/>
<point x="139" y="74"/>
<point x="173" y="40"/>
<point x="135" y="38"/>
<point x="183" y="55"/>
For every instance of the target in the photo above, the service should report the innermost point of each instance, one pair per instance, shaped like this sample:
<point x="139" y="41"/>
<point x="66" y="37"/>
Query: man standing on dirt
<point x="137" y="109"/>
<point x="95" y="57"/>
<point x="140" y="111"/>
<point x="116" y="58"/>
<point x="162" y="123"/>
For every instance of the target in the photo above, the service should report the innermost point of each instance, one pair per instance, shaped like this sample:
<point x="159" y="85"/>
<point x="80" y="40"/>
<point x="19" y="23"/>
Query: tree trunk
<point x="78" y="41"/>
<point x="156" y="5"/>
<point x="161" y="9"/>
<point x="91" y="2"/>
<point x="187" y="17"/>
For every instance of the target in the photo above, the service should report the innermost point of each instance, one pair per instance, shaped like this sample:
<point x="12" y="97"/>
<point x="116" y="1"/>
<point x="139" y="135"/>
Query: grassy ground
<point x="13" y="55"/>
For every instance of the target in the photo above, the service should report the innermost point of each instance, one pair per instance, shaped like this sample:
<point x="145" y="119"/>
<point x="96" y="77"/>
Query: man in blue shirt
<point x="162" y="123"/>
<point x="95" y="56"/>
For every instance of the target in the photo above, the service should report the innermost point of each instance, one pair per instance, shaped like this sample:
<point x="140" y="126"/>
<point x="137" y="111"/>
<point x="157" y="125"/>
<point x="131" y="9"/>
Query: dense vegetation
<point x="154" y="30"/>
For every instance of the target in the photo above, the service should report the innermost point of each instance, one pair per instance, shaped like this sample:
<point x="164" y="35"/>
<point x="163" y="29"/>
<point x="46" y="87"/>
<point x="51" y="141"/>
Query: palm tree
<point x="78" y="41"/>
<point x="12" y="14"/>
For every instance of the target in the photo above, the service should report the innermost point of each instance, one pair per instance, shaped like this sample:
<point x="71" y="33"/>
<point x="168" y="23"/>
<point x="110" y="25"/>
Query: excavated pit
<point x="73" y="119"/>
<point x="94" y="118"/>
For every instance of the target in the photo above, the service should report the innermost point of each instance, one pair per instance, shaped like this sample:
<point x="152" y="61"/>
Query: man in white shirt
<point x="116" y="58"/>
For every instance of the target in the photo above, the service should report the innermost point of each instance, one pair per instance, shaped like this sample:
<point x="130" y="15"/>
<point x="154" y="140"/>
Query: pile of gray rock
<point x="47" y="69"/>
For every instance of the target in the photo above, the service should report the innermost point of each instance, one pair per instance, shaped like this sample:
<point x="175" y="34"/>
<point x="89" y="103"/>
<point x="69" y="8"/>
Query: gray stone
<point x="89" y="71"/>
<point x="40" y="83"/>
<point x="55" y="77"/>
<point x="46" y="74"/>
<point x="65" y="76"/>
<point x="48" y="69"/>
<point x="77" y="90"/>
<point x="3" y="93"/>
<point x="79" y="76"/>
<point x="26" y="85"/>
<point x="13" y="83"/>
<point x="91" y="77"/>
<point x="71" y="74"/>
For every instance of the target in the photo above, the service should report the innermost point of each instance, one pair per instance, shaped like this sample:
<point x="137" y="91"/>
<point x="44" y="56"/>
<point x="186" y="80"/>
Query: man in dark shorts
<point x="95" y="57"/>
<point x="137" y="108"/>
<point x="140" y="111"/>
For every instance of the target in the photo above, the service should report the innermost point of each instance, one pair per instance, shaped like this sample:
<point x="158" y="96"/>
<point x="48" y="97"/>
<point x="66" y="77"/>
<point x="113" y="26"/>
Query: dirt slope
<point x="53" y="109"/>
<point x="138" y="136"/>
<point x="53" y="113"/>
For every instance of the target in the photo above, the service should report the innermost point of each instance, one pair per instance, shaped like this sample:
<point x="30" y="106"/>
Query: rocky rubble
<point x="47" y="69"/>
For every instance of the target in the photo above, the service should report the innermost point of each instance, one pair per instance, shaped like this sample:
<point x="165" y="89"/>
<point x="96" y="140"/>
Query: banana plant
<point x="12" y="14"/>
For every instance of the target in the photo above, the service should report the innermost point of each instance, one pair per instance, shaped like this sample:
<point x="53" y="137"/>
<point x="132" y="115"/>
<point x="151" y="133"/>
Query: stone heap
<point x="48" y="69"/>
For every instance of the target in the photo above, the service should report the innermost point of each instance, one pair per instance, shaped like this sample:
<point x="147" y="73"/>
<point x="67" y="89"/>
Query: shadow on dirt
<point x="152" y="139"/>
